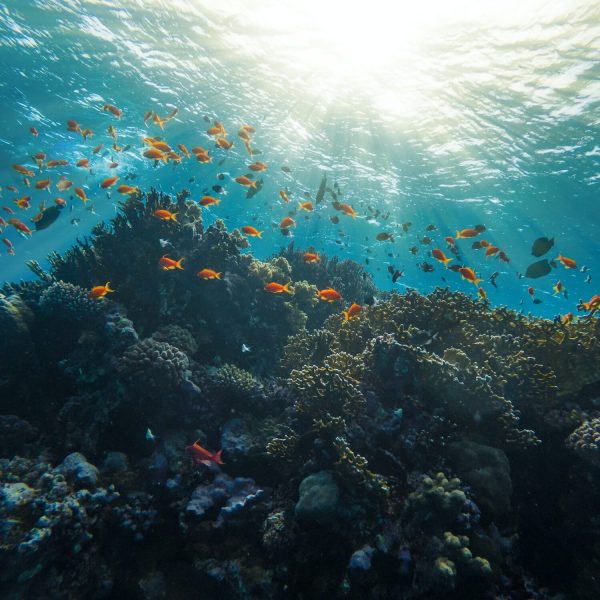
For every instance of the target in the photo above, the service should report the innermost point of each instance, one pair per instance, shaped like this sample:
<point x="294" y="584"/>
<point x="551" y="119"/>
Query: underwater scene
<point x="300" y="300"/>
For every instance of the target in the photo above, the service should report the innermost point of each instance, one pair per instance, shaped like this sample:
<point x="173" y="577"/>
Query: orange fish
<point x="467" y="233"/>
<point x="245" y="181"/>
<point x="97" y="149"/>
<point x="43" y="184"/>
<point x="73" y="126"/>
<point x="286" y="223"/>
<point x="569" y="263"/>
<point x="127" y="189"/>
<point x="203" y="158"/>
<point x="165" y="215"/>
<point x="56" y="163"/>
<point x="158" y="144"/>
<point x="311" y="257"/>
<point x="10" y="250"/>
<point x="209" y="274"/>
<point x="278" y="288"/>
<point x="440" y="256"/>
<point x="469" y="275"/>
<point x="23" y="202"/>
<point x="209" y="201"/>
<point x="63" y="184"/>
<point x="252" y="231"/>
<point x="558" y="287"/>
<point x="199" y="150"/>
<point x="258" y="166"/>
<point x="283" y="195"/>
<point x="100" y="291"/>
<point x="307" y="206"/>
<point x="481" y="293"/>
<point x="347" y="209"/>
<point x="168" y="264"/>
<point x="23" y="170"/>
<point x="39" y="158"/>
<point x="174" y="157"/>
<point x="80" y="193"/>
<point x="183" y="150"/>
<point x="221" y="142"/>
<point x="484" y="244"/>
<point x="449" y="240"/>
<point x="592" y="306"/>
<point x="492" y="250"/>
<point x="217" y="129"/>
<point x="158" y="121"/>
<point x="155" y="154"/>
<point x="34" y="132"/>
<point x="20" y="226"/>
<point x="248" y="128"/>
<point x="113" y="110"/>
<point x="329" y="294"/>
<point x="116" y="147"/>
<point x="60" y="202"/>
<point x="109" y="182"/>
<point x="86" y="133"/>
<point x="203" y="456"/>
<point x="567" y="319"/>
<point x="244" y="135"/>
<point x="84" y="163"/>
<point x="352" y="312"/>
<point x="112" y="132"/>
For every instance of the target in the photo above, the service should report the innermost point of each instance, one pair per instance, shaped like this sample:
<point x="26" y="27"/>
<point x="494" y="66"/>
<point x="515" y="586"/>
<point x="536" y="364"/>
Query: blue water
<point x="490" y="119"/>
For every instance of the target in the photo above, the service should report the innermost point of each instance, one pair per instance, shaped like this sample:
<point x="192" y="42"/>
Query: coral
<point x="14" y="434"/>
<point x="319" y="497"/>
<point x="233" y="381"/>
<point x="79" y="471"/>
<point x="585" y="441"/>
<point x="65" y="301"/>
<point x="177" y="336"/>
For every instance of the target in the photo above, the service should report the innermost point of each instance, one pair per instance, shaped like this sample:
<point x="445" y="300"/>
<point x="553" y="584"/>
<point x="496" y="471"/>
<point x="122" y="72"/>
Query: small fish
<point x="43" y="184"/>
<point x="97" y="148"/>
<point x="541" y="246"/>
<point x="277" y="288"/>
<point x="158" y="121"/>
<point x="286" y="169"/>
<point x="60" y="202"/>
<point x="147" y="116"/>
<point x="56" y="163"/>
<point x="168" y="264"/>
<point x="538" y="269"/>
<point x="307" y="206"/>
<point x="502" y="256"/>
<point x="440" y="256"/>
<point x="329" y="295"/>
<point x="286" y="223"/>
<point x="165" y="215"/>
<point x="482" y="294"/>
<point x="468" y="274"/>
<point x="492" y="279"/>
<point x="246" y="348"/>
<point x="384" y="236"/>
<point x="467" y="233"/>
<point x="352" y="312"/>
<point x="109" y="182"/>
<point x="480" y="228"/>
<point x="164" y="243"/>
<point x="431" y="228"/>
<point x="209" y="201"/>
<point x="34" y="132"/>
<point x="568" y="263"/>
<point x="251" y="231"/>
<point x="450" y="241"/>
<point x="492" y="251"/>
<point x="9" y="244"/>
<point x="150" y="436"/>
<point x="100" y="291"/>
<point x="73" y="126"/>
<point x="567" y="319"/>
<point x="23" y="170"/>
<point x="245" y="181"/>
<point x="218" y="189"/>
<point x="310" y="257"/>
<point x="531" y="291"/>
<point x="155" y="154"/>
<point x="117" y="112"/>
<point x="427" y="267"/>
<point x="537" y="301"/>
<point x="558" y="287"/>
<point x="413" y="250"/>
<point x="335" y="219"/>
<point x="222" y="142"/>
<point x="20" y="226"/>
<point x="406" y="226"/>
<point x="201" y="455"/>
<point x="588" y="279"/>
<point x="348" y="210"/>
<point x="83" y="163"/>
<point x="207" y="274"/>
<point x="258" y="166"/>
<point x="283" y="195"/>
<point x="127" y="189"/>
<point x="23" y="202"/>
<point x="593" y="305"/>
<point x="396" y="275"/>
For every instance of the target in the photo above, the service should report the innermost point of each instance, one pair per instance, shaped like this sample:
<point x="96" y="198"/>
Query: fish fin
<point x="107" y="287"/>
<point x="217" y="457"/>
<point x="173" y="217"/>
<point x="178" y="264"/>
<point x="346" y="317"/>
<point x="286" y="288"/>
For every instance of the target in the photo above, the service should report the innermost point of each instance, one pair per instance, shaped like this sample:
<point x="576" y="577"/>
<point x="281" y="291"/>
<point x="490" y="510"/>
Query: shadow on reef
<point x="429" y="448"/>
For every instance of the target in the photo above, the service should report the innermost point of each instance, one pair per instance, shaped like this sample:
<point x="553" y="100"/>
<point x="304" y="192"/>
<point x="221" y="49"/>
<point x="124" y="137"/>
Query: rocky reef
<point x="429" y="447"/>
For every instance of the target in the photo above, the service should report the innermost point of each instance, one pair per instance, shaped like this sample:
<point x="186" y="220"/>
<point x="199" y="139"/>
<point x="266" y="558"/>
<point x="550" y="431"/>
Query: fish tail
<point x="259" y="234"/>
<point x="173" y="217"/>
<point x="286" y="288"/>
<point x="218" y="275"/>
<point x="447" y="260"/>
<point x="107" y="287"/>
<point x="346" y="316"/>
<point x="253" y="184"/>
<point x="178" y="264"/>
<point x="217" y="457"/>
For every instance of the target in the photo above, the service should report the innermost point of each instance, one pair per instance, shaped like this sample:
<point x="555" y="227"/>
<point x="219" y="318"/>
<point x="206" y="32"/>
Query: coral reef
<point x="418" y="450"/>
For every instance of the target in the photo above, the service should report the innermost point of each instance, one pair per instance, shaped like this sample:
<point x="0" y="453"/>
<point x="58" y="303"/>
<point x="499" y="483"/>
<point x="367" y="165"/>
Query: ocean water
<point x="483" y="115"/>
<point x="383" y="429"/>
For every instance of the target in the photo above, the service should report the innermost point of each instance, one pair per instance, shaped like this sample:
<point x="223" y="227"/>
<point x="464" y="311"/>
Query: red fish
<point x="10" y="250"/>
<point x="165" y="215"/>
<point x="468" y="274"/>
<point x="278" y="288"/>
<point x="440" y="256"/>
<point x="252" y="231"/>
<point x="352" y="312"/>
<point x="34" y="132"/>
<point x="286" y="223"/>
<point x="569" y="263"/>
<point x="109" y="182"/>
<point x="100" y="291"/>
<point x="168" y="264"/>
<point x="329" y="294"/>
<point x="466" y="233"/>
<point x="207" y="274"/>
<point x="311" y="257"/>
<point x="502" y="256"/>
<point x="20" y="226"/>
<point x="113" y="110"/>
<point x="202" y="455"/>
<point x="531" y="291"/>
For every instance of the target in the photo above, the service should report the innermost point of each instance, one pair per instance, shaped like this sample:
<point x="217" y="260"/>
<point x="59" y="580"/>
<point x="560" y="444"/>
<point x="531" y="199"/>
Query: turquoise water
<point x="487" y="117"/>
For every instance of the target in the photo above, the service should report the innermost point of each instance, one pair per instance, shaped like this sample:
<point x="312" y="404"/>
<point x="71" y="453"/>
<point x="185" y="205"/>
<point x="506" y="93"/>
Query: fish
<point x="277" y="288"/>
<point x="23" y="170"/>
<point x="75" y="221"/>
<point x="482" y="294"/>
<point x="165" y="215"/>
<point x="117" y="112"/>
<point x="46" y="217"/>
<point x="9" y="210"/>
<point x="12" y="188"/>
<point x="171" y="115"/>
<point x="307" y="206"/>
<point x="155" y="154"/>
<point x="467" y="233"/>
<point x="440" y="256"/>
<point x="593" y="305"/>
<point x="207" y="274"/>
<point x="39" y="158"/>
<point x="147" y="115"/>
<point x="86" y="133"/>
<point x="406" y="226"/>
<point x="150" y="436"/>
<point x="209" y="201"/>
<point x="258" y="166"/>
<point x="502" y="256"/>
<point x="558" y="287"/>
<point x="20" y="226"/>
<point x="321" y="191"/>
<point x="84" y="163"/>
<point x="218" y="189"/>
<point x="43" y="184"/>
<point x="348" y="210"/>
<point x="63" y="184"/>
<point x="246" y="348"/>
<point x="588" y="279"/>
<point x="56" y="163"/>
<point x="492" y="251"/>
<point x="530" y="291"/>
<point x="426" y="267"/>
<point x="158" y="121"/>
<point x="431" y="228"/>
<point x="283" y="195"/>
<point x="201" y="455"/>
<point x="449" y="240"/>
<point x="23" y="202"/>
<point x="9" y="244"/>
<point x="99" y="292"/>
<point x="541" y="246"/>
<point x="286" y="169"/>
<point x="335" y="219"/>
<point x="286" y="223"/>
<point x="97" y="148"/>
<point x="222" y="142"/>
<point x="567" y="262"/>
<point x="60" y="202"/>
<point x="468" y="274"/>
<point x="566" y="319"/>
<point x="34" y="132"/>
<point x="352" y="312"/>
<point x="251" y="231"/>
<point x="396" y="275"/>
<point x="217" y="129"/>
<point x="480" y="228"/>
<point x="73" y="126"/>
<point x="112" y="132"/>
<point x="245" y="181"/>
<point x="329" y="295"/>
<point x="168" y="264"/>
<point x="492" y="279"/>
<point x="183" y="150"/>
<point x="538" y="269"/>
<point x="311" y="257"/>
<point x="127" y="189"/>
<point x="109" y="182"/>
<point x="384" y="236"/>
<point x="413" y="250"/>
